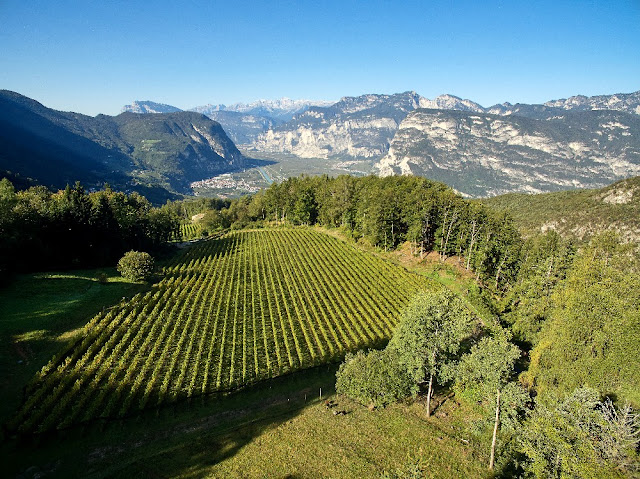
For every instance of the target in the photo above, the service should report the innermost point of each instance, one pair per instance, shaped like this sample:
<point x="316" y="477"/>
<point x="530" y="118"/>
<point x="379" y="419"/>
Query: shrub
<point x="136" y="266"/>
<point x="102" y="277"/>
<point x="374" y="379"/>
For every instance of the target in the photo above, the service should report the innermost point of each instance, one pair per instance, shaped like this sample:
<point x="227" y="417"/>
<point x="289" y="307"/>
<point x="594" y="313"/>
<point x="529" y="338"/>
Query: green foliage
<point x="487" y="367"/>
<point x="41" y="230"/>
<point x="581" y="437"/>
<point x="544" y="261"/>
<point x="213" y="220"/>
<point x="484" y="374"/>
<point x="136" y="266"/>
<point x="430" y="333"/>
<point x="592" y="336"/>
<point x="374" y="379"/>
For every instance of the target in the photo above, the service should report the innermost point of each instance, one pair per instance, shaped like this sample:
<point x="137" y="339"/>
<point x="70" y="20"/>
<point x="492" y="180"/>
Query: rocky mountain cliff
<point x="484" y="155"/>
<point x="356" y="127"/>
<point x="362" y="127"/>
<point x="450" y="102"/>
<point x="129" y="150"/>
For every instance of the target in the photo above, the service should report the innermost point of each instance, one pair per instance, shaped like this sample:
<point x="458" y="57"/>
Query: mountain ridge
<point x="130" y="150"/>
<point x="483" y="155"/>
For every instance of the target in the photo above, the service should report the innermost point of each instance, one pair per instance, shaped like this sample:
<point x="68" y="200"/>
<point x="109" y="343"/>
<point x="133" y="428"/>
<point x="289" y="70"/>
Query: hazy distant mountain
<point x="130" y="149"/>
<point x="483" y="155"/>
<point x="242" y="128"/>
<point x="243" y="122"/>
<point x="627" y="102"/>
<point x="149" y="107"/>
<point x="282" y="109"/>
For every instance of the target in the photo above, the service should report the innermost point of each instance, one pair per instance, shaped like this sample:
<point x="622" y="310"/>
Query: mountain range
<point x="159" y="153"/>
<point x="579" y="142"/>
<point x="481" y="155"/>
<point x="243" y="122"/>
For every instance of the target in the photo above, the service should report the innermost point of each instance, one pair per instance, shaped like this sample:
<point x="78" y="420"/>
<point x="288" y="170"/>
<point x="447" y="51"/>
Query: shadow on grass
<point x="185" y="439"/>
<point x="41" y="312"/>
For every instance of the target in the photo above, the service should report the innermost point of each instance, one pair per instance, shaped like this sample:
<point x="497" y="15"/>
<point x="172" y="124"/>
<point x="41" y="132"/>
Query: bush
<point x="136" y="266"/>
<point x="374" y="379"/>
<point x="102" y="277"/>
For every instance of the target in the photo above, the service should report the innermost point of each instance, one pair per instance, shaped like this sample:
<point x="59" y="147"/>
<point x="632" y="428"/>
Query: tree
<point x="374" y="379"/>
<point x="136" y="266"/>
<point x="544" y="261"/>
<point x="592" y="336"/>
<point x="429" y="334"/>
<point x="581" y="437"/>
<point x="485" y="375"/>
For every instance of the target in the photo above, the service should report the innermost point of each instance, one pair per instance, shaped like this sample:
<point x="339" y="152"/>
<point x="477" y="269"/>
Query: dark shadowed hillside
<point x="129" y="150"/>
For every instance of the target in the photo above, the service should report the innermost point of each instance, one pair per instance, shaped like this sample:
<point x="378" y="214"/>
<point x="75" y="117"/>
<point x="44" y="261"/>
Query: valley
<point x="301" y="240"/>
<point x="268" y="338"/>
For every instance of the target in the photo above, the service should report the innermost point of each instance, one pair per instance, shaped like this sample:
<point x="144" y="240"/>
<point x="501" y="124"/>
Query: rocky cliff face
<point x="356" y="127"/>
<point x="485" y="155"/>
<point x="451" y="102"/>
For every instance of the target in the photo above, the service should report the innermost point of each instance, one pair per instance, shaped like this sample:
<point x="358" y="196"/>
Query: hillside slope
<point x="57" y="148"/>
<point x="577" y="214"/>
<point x="248" y="306"/>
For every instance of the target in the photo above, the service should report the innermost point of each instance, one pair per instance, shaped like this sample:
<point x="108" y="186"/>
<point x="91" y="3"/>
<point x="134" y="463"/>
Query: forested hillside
<point x="134" y="152"/>
<point x="577" y="214"/>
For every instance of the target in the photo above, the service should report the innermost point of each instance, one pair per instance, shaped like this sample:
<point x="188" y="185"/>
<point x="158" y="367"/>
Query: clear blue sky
<point x="95" y="56"/>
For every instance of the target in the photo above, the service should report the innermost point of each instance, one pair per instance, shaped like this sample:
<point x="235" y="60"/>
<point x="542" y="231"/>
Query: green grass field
<point x="277" y="429"/>
<point x="40" y="314"/>
<point x="231" y="311"/>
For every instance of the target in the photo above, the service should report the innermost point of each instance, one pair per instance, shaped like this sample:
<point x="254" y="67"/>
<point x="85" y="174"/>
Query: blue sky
<point x="95" y="56"/>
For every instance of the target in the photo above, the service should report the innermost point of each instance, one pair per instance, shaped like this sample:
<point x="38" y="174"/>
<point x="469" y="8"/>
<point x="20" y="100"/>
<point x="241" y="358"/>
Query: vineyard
<point x="189" y="231"/>
<point x="230" y="311"/>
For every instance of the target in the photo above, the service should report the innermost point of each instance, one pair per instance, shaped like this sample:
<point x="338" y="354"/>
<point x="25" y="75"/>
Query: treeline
<point x="71" y="228"/>
<point x="388" y="212"/>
